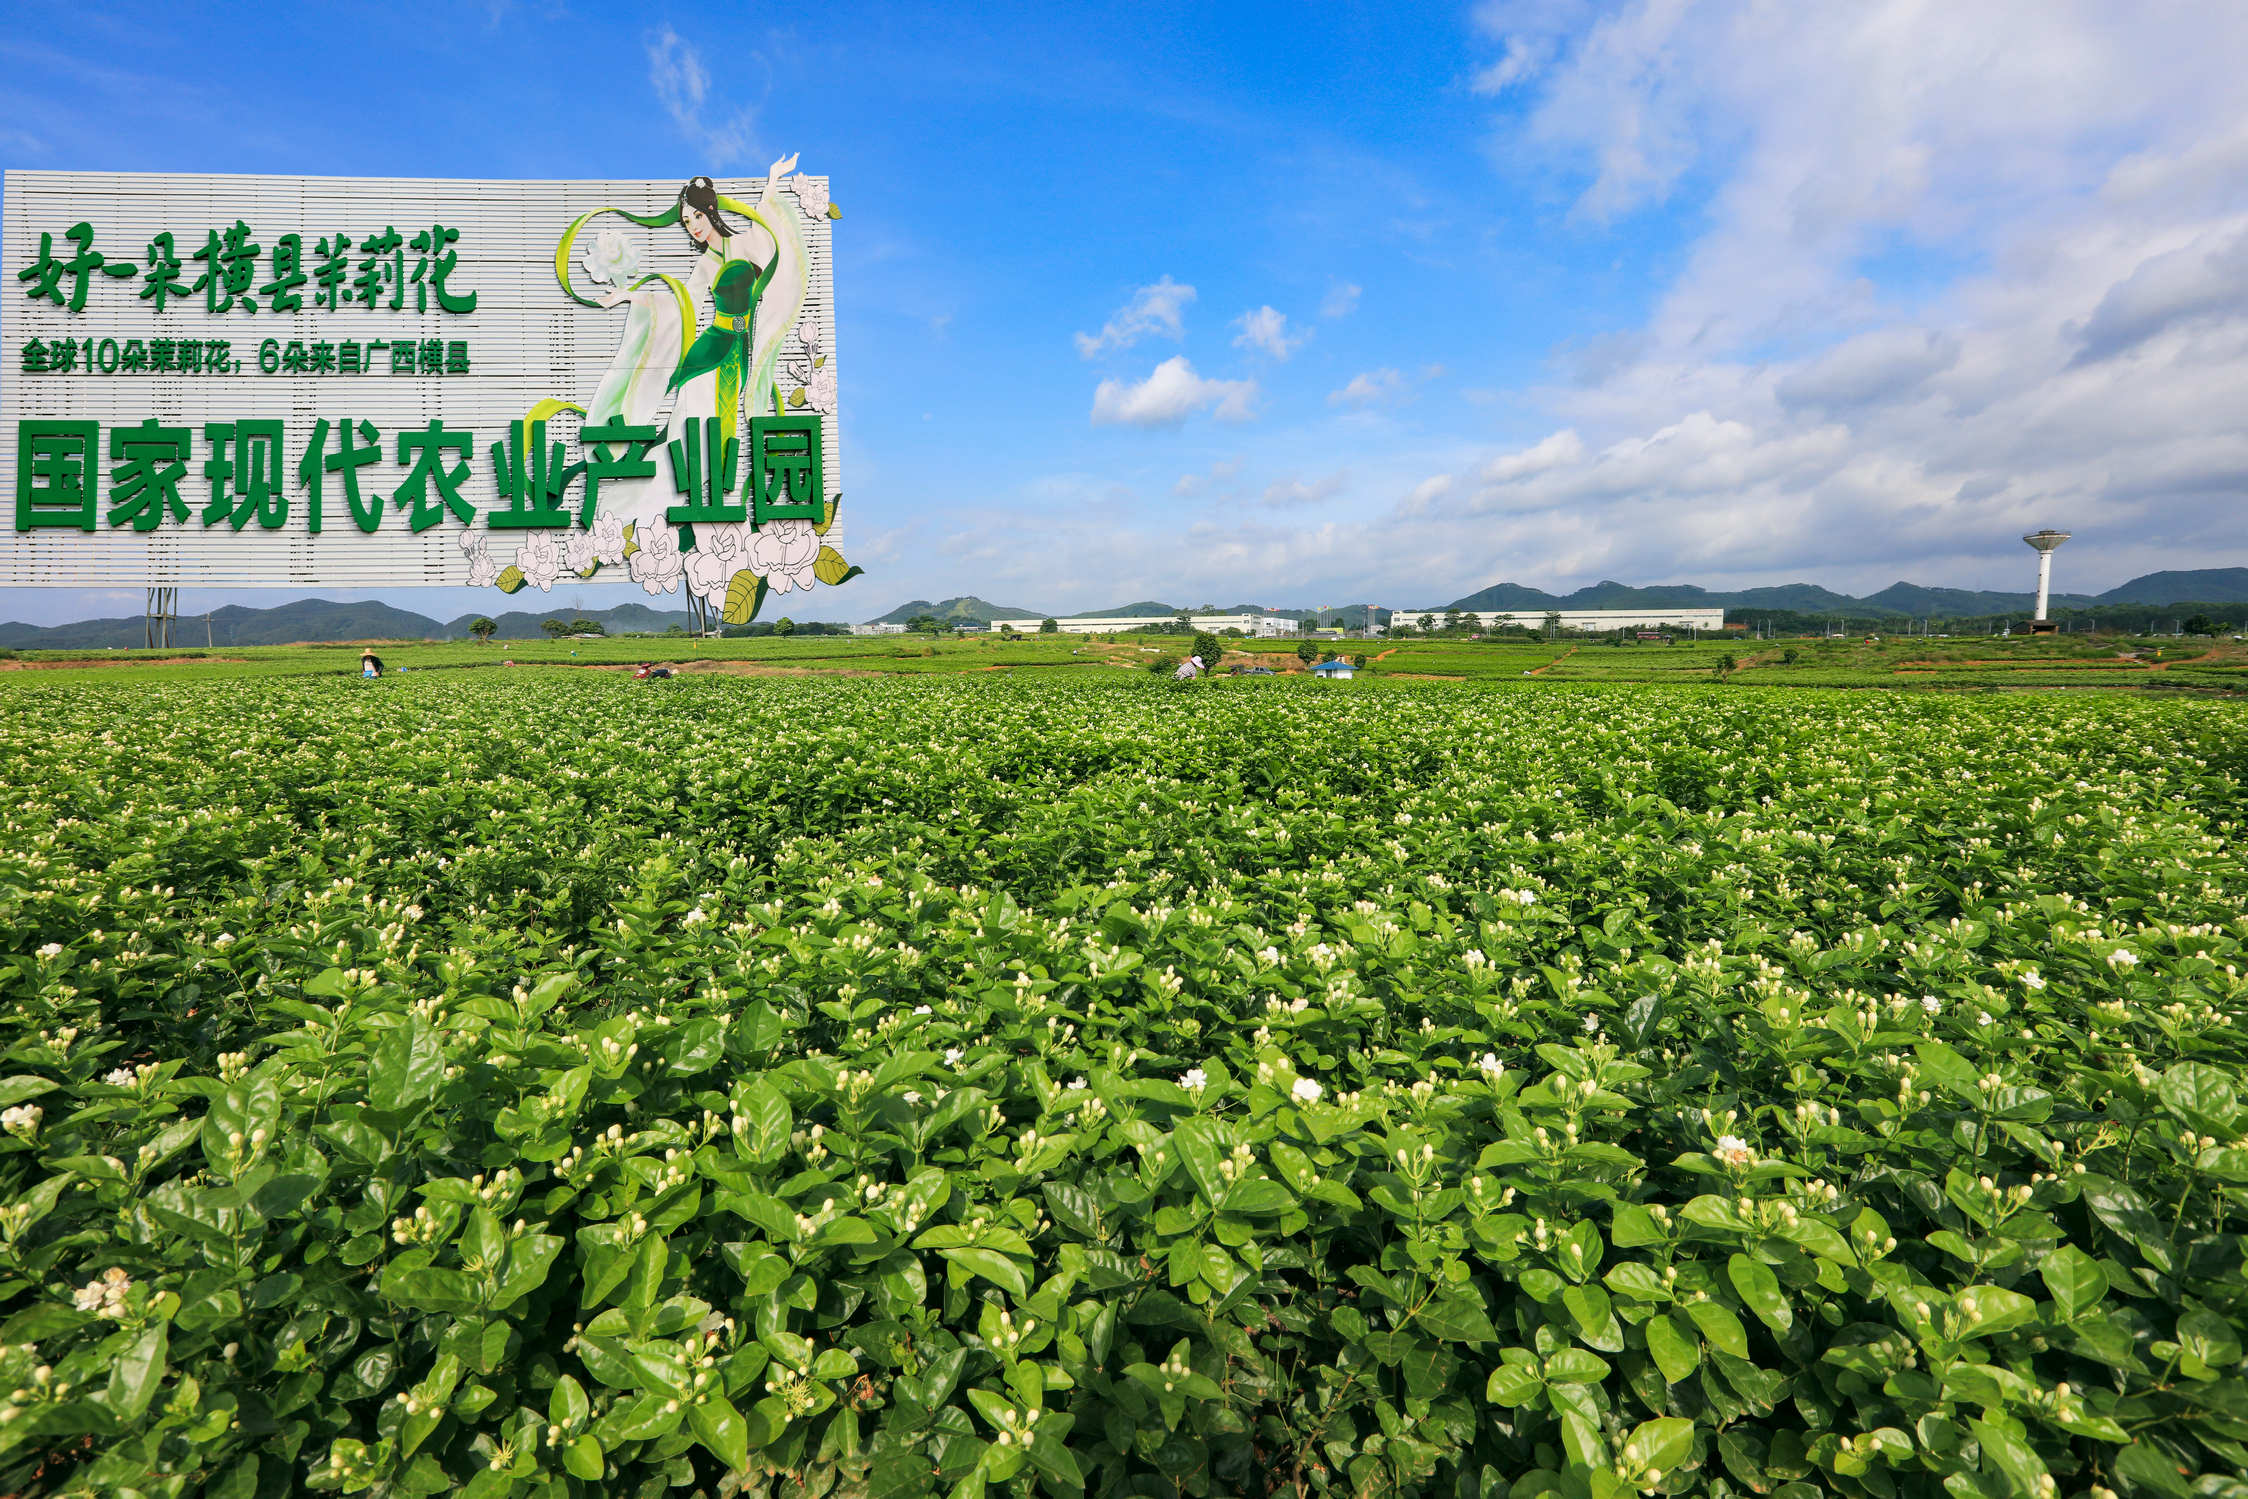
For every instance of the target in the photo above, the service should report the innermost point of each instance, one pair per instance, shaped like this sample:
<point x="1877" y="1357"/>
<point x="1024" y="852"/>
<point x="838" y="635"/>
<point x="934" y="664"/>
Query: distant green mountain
<point x="623" y="619"/>
<point x="1144" y="609"/>
<point x="2207" y="585"/>
<point x="305" y="619"/>
<point x="960" y="611"/>
<point x="2215" y="585"/>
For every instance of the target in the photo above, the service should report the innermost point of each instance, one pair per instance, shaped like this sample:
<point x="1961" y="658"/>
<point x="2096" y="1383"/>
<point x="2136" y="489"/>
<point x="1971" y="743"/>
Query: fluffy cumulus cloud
<point x="1266" y="329"/>
<point x="1171" y="394"/>
<point x="1294" y="492"/>
<point x="1935" y="302"/>
<point x="1158" y="310"/>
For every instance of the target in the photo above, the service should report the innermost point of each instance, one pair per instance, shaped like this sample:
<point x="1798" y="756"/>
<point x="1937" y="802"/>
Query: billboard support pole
<point x="163" y="608"/>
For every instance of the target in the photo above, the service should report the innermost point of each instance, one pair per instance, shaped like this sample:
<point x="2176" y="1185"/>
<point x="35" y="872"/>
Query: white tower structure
<point x="2045" y="541"/>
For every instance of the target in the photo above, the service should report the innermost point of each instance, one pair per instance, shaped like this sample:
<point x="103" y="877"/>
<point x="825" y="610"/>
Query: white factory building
<point x="1216" y="624"/>
<point x="1588" y="621"/>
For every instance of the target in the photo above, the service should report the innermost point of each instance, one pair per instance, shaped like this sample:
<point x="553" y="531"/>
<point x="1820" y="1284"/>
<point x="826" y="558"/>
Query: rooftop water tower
<point x="2045" y="541"/>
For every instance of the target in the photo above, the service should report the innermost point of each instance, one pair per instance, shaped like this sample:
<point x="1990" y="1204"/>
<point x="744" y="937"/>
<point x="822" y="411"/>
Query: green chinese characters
<point x="373" y="271"/>
<point x="244" y="468"/>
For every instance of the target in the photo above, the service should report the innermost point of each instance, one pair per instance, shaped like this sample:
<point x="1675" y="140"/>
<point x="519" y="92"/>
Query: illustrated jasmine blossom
<point x="608" y="538"/>
<point x="658" y="563"/>
<point x="539" y="560"/>
<point x="1305" y="1090"/>
<point x="782" y="553"/>
<point x="51" y="950"/>
<point x="1194" y="1080"/>
<point x="1734" y="1151"/>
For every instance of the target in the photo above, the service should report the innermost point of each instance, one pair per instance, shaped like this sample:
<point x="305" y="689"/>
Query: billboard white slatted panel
<point x="527" y="342"/>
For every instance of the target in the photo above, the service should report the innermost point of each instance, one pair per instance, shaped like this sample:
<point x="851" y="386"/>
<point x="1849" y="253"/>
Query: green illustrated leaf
<point x="510" y="579"/>
<point x="745" y="595"/>
<point x="829" y="566"/>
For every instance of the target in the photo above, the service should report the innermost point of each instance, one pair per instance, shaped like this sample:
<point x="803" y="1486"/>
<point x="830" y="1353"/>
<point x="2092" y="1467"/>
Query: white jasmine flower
<point x="1306" y="1091"/>
<point x="658" y="563"/>
<point x="51" y="950"/>
<point x="22" y="1120"/>
<point x="1491" y="1066"/>
<point x="1194" y="1080"/>
<point x="1592" y="1025"/>
<point x="2031" y="979"/>
<point x="539" y="560"/>
<point x="1734" y="1151"/>
<point x="1931" y="1004"/>
<point x="952" y="1056"/>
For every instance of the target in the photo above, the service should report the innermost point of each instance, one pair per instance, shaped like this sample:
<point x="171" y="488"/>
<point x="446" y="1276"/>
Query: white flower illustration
<point x="819" y="389"/>
<point x="808" y="334"/>
<point x="713" y="562"/>
<point x="608" y="538"/>
<point x="539" y="560"/>
<point x="657" y="565"/>
<point x="483" y="572"/>
<point x="577" y="553"/>
<point x="812" y="193"/>
<point x="611" y="259"/>
<point x="783" y="553"/>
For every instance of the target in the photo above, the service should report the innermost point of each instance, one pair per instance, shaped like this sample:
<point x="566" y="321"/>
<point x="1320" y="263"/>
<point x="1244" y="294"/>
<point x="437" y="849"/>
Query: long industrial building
<point x="1590" y="621"/>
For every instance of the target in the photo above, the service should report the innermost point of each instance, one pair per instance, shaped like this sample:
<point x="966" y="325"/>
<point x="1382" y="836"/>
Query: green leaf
<point x="133" y="1379"/>
<point x="1575" y="1366"/>
<point x="1514" y="1384"/>
<point x="2074" y="1280"/>
<point x="1720" y="1327"/>
<point x="1760" y="1291"/>
<point x="745" y="595"/>
<point x="409" y="1063"/>
<point x="2201" y="1095"/>
<point x="583" y="1458"/>
<point x="719" y="1427"/>
<point x="567" y="1406"/>
<point x="15" y="1090"/>
<point x="769" y="1121"/>
<point x="1458" y="1320"/>
<point x="510" y="578"/>
<point x="1986" y="1311"/>
<point x="1662" y="1443"/>
<point x="992" y="1266"/>
<point x="1676" y="1352"/>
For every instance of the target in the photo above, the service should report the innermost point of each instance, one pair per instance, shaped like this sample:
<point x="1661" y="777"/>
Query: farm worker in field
<point x="1188" y="670"/>
<point x="370" y="666"/>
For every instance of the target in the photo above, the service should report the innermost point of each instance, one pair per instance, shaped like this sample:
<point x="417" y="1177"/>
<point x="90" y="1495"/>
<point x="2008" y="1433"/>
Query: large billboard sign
<point x="379" y="381"/>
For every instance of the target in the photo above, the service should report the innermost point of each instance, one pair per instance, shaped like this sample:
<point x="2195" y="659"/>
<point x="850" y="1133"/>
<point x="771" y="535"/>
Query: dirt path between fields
<point x="118" y="661"/>
<point x="1539" y="671"/>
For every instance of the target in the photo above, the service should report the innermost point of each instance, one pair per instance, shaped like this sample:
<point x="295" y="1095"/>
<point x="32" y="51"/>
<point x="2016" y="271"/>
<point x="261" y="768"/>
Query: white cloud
<point x="1531" y="33"/>
<point x="1292" y="492"/>
<point x="1367" y="388"/>
<point x="1563" y="447"/>
<point x="1158" y="310"/>
<point x="1190" y="485"/>
<point x="1266" y="328"/>
<point x="1341" y="300"/>
<point x="682" y="85"/>
<point x="1171" y="394"/>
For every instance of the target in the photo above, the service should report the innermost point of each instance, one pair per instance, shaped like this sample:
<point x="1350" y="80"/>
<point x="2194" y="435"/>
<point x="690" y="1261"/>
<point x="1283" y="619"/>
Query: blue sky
<point x="1299" y="305"/>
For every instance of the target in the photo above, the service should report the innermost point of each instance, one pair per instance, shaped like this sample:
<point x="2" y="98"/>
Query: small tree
<point x="1206" y="646"/>
<point x="784" y="626"/>
<point x="555" y="628"/>
<point x="1358" y="663"/>
<point x="1553" y="624"/>
<point x="923" y="624"/>
<point x="1307" y="653"/>
<point x="1427" y="623"/>
<point x="1726" y="666"/>
<point x="1790" y="656"/>
<point x="482" y="628"/>
<point x="1049" y="626"/>
<point x="583" y="626"/>
<point x="2201" y="624"/>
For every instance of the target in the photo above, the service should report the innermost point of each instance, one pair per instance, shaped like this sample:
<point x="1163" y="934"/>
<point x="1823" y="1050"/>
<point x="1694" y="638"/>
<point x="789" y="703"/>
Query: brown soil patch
<point x="1539" y="671"/>
<point x="96" y="661"/>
